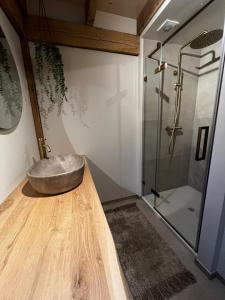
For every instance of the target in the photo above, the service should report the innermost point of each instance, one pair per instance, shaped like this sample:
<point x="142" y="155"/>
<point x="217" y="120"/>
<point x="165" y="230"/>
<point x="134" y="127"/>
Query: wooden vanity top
<point x="58" y="247"/>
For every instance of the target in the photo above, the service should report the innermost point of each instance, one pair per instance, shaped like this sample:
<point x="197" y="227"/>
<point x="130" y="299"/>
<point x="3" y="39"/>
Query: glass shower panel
<point x="179" y="117"/>
<point x="151" y="110"/>
<point x="184" y="130"/>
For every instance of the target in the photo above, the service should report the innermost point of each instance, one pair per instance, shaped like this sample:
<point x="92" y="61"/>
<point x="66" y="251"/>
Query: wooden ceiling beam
<point x="74" y="35"/>
<point x="23" y="6"/>
<point x="32" y="91"/>
<point x="1" y="33"/>
<point x="147" y="13"/>
<point x="90" y="11"/>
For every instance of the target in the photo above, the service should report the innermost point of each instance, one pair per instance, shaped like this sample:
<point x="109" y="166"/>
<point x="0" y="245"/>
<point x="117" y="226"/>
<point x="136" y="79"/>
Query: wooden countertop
<point x="58" y="247"/>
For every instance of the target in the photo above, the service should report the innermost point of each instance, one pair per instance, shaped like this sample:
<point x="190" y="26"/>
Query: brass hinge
<point x="161" y="67"/>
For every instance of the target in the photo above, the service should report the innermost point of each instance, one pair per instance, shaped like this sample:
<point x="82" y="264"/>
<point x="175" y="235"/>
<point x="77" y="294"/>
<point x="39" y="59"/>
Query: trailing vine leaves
<point x="10" y="91"/>
<point x="50" y="76"/>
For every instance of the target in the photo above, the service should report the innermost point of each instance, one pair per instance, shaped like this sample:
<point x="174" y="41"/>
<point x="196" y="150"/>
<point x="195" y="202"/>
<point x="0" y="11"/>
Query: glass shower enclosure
<point x="179" y="109"/>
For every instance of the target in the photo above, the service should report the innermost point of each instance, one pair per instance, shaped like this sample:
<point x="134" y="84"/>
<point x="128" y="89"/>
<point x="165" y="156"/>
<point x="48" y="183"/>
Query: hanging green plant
<point x="9" y="87"/>
<point x="50" y="76"/>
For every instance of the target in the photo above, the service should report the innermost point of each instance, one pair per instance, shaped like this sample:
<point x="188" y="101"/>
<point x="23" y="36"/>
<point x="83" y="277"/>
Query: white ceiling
<point x="182" y="10"/>
<point x="68" y="10"/>
<point x="211" y="18"/>
<point x="126" y="8"/>
<point x="74" y="10"/>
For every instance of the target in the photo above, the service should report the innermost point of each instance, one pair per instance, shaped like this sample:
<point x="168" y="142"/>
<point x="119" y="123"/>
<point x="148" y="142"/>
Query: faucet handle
<point x="48" y="148"/>
<point x="44" y="148"/>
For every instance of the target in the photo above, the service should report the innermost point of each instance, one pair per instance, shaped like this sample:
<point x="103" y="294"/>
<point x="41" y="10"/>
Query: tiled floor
<point x="180" y="207"/>
<point x="204" y="289"/>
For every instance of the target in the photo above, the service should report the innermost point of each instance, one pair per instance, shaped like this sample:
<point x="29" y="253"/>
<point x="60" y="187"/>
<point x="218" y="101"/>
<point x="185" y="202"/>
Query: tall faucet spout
<point x="44" y="148"/>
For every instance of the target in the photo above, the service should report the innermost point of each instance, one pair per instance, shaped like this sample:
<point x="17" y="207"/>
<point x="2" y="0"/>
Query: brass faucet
<point x="44" y="148"/>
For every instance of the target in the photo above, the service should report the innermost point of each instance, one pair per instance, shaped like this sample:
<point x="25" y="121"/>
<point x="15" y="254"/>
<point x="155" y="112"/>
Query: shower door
<point x="177" y="201"/>
<point x="151" y="117"/>
<point x="179" y="116"/>
<point x="182" y="158"/>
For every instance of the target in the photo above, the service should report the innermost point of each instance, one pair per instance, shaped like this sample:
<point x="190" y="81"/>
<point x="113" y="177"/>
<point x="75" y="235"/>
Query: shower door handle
<point x="161" y="67"/>
<point x="198" y="155"/>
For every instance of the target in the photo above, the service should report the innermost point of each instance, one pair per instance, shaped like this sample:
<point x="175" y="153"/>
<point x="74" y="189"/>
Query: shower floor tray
<point x="181" y="208"/>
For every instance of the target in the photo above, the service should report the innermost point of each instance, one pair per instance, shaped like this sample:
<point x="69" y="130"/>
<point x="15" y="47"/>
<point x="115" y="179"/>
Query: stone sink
<point x="57" y="174"/>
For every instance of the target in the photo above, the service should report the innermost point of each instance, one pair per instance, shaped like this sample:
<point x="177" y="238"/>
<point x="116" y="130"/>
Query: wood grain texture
<point x="58" y="247"/>
<point x="81" y="36"/>
<point x="13" y="12"/>
<point x="90" y="10"/>
<point x="1" y="32"/>
<point x="147" y="13"/>
<point x="23" y="6"/>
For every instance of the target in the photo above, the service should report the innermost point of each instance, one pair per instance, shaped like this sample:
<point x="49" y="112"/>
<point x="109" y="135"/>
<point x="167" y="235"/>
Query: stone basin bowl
<point x="57" y="174"/>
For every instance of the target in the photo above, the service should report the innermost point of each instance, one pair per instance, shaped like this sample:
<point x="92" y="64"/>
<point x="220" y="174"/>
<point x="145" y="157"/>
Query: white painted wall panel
<point x="101" y="118"/>
<point x="18" y="148"/>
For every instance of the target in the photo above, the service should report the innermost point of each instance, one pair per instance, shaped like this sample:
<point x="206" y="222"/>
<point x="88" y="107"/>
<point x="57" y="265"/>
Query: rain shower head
<point x="206" y="39"/>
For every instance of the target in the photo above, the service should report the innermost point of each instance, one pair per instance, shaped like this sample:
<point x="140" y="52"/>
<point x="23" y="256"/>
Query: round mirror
<point x="10" y="90"/>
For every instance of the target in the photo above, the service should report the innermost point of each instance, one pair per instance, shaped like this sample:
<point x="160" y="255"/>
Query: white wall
<point x="19" y="147"/>
<point x="214" y="211"/>
<point x="115" y="22"/>
<point x="103" y="122"/>
<point x="204" y="112"/>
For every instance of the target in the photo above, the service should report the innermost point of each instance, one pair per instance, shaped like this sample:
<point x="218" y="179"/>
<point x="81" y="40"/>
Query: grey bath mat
<point x="152" y="269"/>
